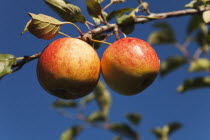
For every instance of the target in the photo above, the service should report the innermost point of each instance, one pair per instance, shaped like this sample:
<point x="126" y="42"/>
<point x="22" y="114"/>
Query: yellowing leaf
<point x="6" y="62"/>
<point x="201" y="64"/>
<point x="43" y="26"/>
<point x="71" y="133"/>
<point x="97" y="116"/>
<point x="206" y="16"/>
<point x="64" y="104"/>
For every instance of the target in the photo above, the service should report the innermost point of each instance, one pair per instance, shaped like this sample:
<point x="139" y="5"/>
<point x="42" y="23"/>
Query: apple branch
<point x="114" y="26"/>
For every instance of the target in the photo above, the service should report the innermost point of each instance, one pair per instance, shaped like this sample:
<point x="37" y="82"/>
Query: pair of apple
<point x="69" y="68"/>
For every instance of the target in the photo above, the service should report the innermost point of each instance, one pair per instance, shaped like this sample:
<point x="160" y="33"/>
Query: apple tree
<point x="118" y="24"/>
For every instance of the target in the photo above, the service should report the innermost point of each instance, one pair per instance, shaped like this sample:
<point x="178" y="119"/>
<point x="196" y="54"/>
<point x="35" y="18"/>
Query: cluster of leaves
<point x="198" y="32"/>
<point x="100" y="118"/>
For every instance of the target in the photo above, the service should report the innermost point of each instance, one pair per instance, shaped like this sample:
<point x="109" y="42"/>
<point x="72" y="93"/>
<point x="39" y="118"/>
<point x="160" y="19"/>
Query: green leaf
<point x="202" y="64"/>
<point x="43" y="26"/>
<point x="173" y="126"/>
<point x="118" y="12"/>
<point x="134" y="118"/>
<point x="195" y="4"/>
<point x="103" y="97"/>
<point x="87" y="99"/>
<point x="125" y="19"/>
<point x="66" y="11"/>
<point x="195" y="22"/>
<point x="172" y="63"/>
<point x="94" y="8"/>
<point x="99" y="19"/>
<point x="206" y="16"/>
<point x="202" y="39"/>
<point x="100" y="37"/>
<point x="64" y="104"/>
<point x="123" y="130"/>
<point x="71" y="133"/>
<point x="194" y="83"/>
<point x="97" y="116"/>
<point x="164" y="35"/>
<point x="165" y="131"/>
<point x="99" y="1"/>
<point x="6" y="62"/>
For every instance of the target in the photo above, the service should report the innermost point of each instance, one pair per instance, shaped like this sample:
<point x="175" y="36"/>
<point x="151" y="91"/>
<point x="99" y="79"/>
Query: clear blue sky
<point x="26" y="112"/>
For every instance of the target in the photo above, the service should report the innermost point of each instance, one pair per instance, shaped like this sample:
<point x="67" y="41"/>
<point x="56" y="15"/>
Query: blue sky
<point x="25" y="107"/>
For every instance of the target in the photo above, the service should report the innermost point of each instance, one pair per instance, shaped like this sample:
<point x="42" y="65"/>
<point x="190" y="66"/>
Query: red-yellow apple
<point x="68" y="68"/>
<point x="129" y="66"/>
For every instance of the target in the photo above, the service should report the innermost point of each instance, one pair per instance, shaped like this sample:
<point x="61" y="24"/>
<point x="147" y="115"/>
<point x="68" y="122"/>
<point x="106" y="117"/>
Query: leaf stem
<point x="78" y="29"/>
<point x="98" y="41"/>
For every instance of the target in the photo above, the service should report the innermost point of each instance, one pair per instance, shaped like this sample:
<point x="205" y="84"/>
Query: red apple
<point x="68" y="68"/>
<point x="129" y="66"/>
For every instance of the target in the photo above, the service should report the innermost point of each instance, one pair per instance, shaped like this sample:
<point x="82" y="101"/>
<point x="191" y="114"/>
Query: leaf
<point x="206" y="16"/>
<point x="194" y="83"/>
<point x="66" y="11"/>
<point x="87" y="99"/>
<point x="164" y="35"/>
<point x="99" y="19"/>
<point x="202" y="39"/>
<point x="100" y="37"/>
<point x="64" y="104"/>
<point x="117" y="138"/>
<point x="117" y="1"/>
<point x="166" y="130"/>
<point x="99" y="1"/>
<point x="172" y="63"/>
<point x="198" y="65"/>
<point x="94" y="8"/>
<point x="134" y="118"/>
<point x="172" y="127"/>
<point x="127" y="23"/>
<point x="43" y="26"/>
<point x="123" y="130"/>
<point x="6" y="62"/>
<point x="195" y="4"/>
<point x="118" y="12"/>
<point x="71" y="133"/>
<point x="103" y="97"/>
<point x="97" y="116"/>
<point x="195" y="22"/>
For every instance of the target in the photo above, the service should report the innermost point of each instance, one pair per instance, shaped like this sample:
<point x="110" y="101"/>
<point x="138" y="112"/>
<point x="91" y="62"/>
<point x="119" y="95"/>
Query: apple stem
<point x="78" y="29"/>
<point x="123" y="34"/>
<point x="99" y="41"/>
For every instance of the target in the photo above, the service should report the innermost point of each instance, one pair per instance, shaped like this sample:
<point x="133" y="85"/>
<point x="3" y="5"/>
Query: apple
<point x="129" y="66"/>
<point x="68" y="68"/>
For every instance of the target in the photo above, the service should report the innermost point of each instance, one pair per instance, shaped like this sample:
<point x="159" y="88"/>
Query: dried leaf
<point x="123" y="130"/>
<point x="103" y="97"/>
<point x="164" y="35"/>
<point x="66" y="11"/>
<point x="43" y="26"/>
<point x="134" y="118"/>
<point x="198" y="65"/>
<point x="172" y="63"/>
<point x="194" y="83"/>
<point x="6" y="62"/>
<point x="71" y="133"/>
<point x="94" y="8"/>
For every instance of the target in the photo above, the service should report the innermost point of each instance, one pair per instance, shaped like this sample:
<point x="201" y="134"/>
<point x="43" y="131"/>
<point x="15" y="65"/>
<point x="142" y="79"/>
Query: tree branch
<point x="112" y="27"/>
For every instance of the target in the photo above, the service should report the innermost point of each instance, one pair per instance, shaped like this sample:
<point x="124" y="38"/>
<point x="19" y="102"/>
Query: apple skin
<point x="129" y="66"/>
<point x="68" y="68"/>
